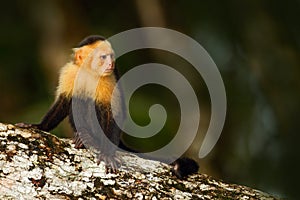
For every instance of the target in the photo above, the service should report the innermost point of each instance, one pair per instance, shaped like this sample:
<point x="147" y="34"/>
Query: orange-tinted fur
<point x="104" y="89"/>
<point x="90" y="85"/>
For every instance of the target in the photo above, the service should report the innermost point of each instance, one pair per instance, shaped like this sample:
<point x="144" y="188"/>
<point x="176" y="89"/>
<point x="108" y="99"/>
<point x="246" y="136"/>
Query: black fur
<point x="85" y="123"/>
<point x="184" y="167"/>
<point x="90" y="40"/>
<point x="58" y="111"/>
<point x="85" y="134"/>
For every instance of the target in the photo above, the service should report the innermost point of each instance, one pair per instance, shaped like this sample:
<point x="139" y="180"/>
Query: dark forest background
<point x="255" y="44"/>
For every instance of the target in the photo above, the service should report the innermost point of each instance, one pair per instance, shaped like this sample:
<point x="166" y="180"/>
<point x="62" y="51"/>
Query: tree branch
<point x="38" y="165"/>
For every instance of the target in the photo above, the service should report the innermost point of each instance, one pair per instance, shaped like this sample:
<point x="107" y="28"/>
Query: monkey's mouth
<point x="109" y="70"/>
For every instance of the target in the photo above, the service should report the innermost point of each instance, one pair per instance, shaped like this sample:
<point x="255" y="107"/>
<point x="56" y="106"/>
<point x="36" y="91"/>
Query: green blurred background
<point x="255" y="44"/>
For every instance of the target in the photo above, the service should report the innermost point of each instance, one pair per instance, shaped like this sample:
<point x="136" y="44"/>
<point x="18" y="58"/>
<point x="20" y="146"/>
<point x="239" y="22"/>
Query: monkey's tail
<point x="181" y="168"/>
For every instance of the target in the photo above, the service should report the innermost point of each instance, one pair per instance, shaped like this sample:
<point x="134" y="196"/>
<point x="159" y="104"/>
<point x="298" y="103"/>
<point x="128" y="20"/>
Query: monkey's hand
<point x="105" y="153"/>
<point x="78" y="141"/>
<point x="25" y="125"/>
<point x="112" y="163"/>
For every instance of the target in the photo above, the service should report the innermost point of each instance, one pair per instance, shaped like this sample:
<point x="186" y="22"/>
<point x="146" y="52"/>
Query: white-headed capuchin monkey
<point x="84" y="91"/>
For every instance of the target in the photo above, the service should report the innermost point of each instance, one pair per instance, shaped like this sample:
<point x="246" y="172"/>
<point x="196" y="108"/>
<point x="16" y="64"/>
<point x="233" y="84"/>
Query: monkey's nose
<point x="110" y="66"/>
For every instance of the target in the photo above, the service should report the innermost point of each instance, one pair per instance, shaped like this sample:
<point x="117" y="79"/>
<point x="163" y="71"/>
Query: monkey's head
<point x="95" y="54"/>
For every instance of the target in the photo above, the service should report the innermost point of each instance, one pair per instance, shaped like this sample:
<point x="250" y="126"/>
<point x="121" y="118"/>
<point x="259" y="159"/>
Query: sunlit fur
<point x="78" y="79"/>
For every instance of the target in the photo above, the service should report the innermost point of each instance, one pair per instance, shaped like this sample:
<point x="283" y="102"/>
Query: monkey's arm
<point x="59" y="110"/>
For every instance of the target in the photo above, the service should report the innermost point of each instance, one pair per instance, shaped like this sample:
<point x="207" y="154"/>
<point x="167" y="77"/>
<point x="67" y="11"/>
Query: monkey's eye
<point x="112" y="56"/>
<point x="103" y="57"/>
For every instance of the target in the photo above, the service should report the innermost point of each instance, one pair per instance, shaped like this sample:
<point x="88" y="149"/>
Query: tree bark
<point x="38" y="165"/>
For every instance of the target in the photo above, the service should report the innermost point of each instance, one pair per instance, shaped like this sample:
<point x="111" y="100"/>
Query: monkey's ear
<point x="78" y="56"/>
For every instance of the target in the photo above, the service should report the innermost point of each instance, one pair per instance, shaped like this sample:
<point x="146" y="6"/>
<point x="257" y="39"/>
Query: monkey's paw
<point x="112" y="163"/>
<point x="78" y="141"/>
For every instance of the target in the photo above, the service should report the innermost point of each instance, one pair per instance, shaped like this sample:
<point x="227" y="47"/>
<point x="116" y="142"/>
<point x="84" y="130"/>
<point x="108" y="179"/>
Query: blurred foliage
<point x="254" y="43"/>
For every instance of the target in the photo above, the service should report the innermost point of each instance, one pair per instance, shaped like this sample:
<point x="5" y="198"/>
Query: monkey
<point x="84" y="91"/>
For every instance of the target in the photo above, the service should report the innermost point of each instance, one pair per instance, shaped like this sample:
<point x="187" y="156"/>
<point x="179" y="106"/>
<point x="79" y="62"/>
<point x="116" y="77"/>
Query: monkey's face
<point x="102" y="59"/>
<point x="97" y="58"/>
